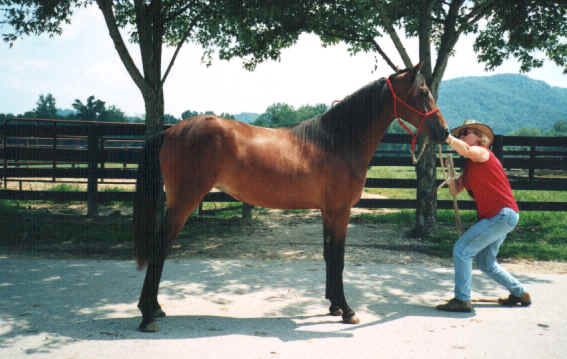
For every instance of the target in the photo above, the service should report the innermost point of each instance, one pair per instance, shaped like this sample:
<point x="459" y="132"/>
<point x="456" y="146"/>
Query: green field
<point x="539" y="235"/>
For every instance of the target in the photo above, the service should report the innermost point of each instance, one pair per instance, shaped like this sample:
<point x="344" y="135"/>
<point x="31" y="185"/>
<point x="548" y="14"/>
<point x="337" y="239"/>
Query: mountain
<point x="65" y="112"/>
<point x="504" y="102"/>
<point x="247" y="117"/>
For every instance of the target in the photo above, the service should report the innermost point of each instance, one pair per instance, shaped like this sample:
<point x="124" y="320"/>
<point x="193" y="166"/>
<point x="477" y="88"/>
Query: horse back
<point x="266" y="167"/>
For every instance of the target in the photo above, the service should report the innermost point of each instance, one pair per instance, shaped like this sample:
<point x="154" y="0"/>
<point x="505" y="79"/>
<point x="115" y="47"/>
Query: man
<point x="485" y="180"/>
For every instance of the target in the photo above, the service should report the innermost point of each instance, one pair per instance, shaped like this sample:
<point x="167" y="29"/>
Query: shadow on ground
<point x="73" y="300"/>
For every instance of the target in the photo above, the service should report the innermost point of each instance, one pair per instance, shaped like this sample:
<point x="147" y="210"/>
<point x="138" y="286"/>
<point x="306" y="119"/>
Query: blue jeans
<point x="482" y="241"/>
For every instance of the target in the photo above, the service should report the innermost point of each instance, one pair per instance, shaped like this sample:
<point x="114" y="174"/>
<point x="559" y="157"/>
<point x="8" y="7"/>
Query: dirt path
<point x="256" y="291"/>
<point x="219" y="308"/>
<point x="271" y="235"/>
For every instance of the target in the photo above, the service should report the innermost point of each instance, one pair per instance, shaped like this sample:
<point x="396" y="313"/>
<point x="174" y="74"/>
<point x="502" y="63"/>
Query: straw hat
<point x="477" y="126"/>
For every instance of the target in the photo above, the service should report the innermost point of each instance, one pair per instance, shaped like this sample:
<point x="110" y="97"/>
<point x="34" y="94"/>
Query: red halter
<point x="421" y="114"/>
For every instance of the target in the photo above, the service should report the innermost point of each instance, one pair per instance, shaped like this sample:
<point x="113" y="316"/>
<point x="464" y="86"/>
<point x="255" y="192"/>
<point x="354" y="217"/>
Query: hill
<point x="247" y="117"/>
<point x="504" y="102"/>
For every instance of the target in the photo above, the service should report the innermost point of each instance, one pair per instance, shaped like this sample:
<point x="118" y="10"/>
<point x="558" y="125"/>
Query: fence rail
<point x="54" y="149"/>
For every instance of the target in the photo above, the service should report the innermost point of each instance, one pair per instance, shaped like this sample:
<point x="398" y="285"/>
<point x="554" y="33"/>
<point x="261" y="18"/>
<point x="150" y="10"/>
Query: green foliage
<point x="538" y="236"/>
<point x="63" y="187"/>
<point x="95" y="110"/>
<point x="92" y="110"/>
<point x="284" y="115"/>
<point x="525" y="30"/>
<point x="46" y="107"/>
<point x="189" y="113"/>
<point x="114" y="114"/>
<point x="560" y="128"/>
<point x="169" y="119"/>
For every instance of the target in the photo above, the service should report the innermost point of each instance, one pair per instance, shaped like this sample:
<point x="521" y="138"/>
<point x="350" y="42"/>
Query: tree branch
<point x="425" y="28"/>
<point x="185" y="36"/>
<point x="106" y="9"/>
<point x="397" y="42"/>
<point x="384" y="56"/>
<point x="477" y="13"/>
<point x="175" y="14"/>
<point x="448" y="41"/>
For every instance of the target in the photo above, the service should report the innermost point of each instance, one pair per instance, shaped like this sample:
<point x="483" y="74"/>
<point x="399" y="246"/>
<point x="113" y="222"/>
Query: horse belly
<point x="284" y="192"/>
<point x="271" y="169"/>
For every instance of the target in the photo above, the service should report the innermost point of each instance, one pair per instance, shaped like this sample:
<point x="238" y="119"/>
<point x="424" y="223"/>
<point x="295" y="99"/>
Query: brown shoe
<point x="456" y="305"/>
<point x="512" y="301"/>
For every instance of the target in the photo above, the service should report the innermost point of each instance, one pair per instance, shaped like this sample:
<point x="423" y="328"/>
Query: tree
<point x="227" y="115"/>
<point x="233" y="28"/>
<point x="190" y="113"/>
<point x="306" y="111"/>
<point x="560" y="128"/>
<point x="113" y="114"/>
<point x="527" y="30"/>
<point x="45" y="107"/>
<point x="277" y="115"/>
<point x="92" y="110"/>
<point x="170" y="119"/>
<point x="284" y="115"/>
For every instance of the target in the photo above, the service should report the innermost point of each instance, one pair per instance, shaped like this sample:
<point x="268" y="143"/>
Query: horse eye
<point x="424" y="93"/>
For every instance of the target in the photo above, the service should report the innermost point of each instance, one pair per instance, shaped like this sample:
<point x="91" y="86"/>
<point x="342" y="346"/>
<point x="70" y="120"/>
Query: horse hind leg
<point x="148" y="303"/>
<point x="171" y="223"/>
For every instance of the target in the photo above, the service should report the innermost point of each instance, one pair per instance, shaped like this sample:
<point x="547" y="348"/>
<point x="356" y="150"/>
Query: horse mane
<point x="346" y="122"/>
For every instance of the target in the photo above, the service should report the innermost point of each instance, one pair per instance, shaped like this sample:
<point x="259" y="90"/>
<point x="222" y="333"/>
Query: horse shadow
<point x="65" y="301"/>
<point x="284" y="328"/>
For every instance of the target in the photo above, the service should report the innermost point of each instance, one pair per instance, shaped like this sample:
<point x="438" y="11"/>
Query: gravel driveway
<point x="72" y="308"/>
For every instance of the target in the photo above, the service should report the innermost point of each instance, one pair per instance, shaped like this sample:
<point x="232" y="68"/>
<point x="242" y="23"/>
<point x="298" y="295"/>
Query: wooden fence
<point x="51" y="150"/>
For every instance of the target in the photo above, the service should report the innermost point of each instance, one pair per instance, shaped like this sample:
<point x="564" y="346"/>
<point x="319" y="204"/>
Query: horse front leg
<point x="334" y="233"/>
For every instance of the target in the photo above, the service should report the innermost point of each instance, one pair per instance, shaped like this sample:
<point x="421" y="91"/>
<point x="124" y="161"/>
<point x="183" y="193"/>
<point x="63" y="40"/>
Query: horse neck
<point x="373" y="136"/>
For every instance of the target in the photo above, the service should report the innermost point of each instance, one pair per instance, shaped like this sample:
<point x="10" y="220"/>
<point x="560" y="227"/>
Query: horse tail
<point x="148" y="202"/>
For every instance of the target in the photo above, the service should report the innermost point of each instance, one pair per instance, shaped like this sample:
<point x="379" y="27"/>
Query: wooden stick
<point x="449" y="171"/>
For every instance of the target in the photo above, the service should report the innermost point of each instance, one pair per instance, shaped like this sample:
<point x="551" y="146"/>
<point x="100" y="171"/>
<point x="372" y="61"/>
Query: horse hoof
<point x="158" y="313"/>
<point x="353" y="319"/>
<point x="336" y="312"/>
<point x="150" y="327"/>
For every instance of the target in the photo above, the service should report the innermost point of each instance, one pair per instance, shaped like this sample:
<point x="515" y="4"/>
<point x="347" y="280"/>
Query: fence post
<point x="92" y="151"/>
<point x="54" y="148"/>
<point x="247" y="210"/>
<point x="498" y="146"/>
<point x="531" y="171"/>
<point x="5" y="159"/>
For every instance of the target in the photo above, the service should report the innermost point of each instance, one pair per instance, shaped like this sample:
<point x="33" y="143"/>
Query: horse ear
<point x="414" y="72"/>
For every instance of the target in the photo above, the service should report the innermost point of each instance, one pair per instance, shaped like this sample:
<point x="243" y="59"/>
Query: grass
<point x="19" y="223"/>
<point x="539" y="235"/>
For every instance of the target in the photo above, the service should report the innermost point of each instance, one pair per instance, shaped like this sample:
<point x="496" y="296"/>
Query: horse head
<point x="413" y="102"/>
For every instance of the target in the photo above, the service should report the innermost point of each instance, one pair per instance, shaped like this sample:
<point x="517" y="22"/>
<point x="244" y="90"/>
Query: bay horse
<point x="321" y="163"/>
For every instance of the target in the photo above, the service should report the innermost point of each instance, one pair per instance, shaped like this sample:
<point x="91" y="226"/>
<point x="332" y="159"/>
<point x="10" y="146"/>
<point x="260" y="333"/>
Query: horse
<point x="320" y="163"/>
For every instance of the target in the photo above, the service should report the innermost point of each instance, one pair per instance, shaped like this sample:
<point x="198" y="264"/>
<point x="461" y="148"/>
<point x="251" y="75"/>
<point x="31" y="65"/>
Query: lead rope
<point x="449" y="171"/>
<point x="412" y="151"/>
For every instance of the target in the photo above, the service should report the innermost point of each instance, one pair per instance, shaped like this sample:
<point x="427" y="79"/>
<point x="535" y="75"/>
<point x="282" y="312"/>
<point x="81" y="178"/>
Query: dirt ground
<point x="255" y="290"/>
<point x="271" y="235"/>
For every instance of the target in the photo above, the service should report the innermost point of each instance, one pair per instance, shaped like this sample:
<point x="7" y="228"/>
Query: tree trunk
<point x="426" y="169"/>
<point x="154" y="104"/>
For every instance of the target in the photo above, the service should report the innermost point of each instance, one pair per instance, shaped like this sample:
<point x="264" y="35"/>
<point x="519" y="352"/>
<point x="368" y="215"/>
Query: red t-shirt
<point x="488" y="184"/>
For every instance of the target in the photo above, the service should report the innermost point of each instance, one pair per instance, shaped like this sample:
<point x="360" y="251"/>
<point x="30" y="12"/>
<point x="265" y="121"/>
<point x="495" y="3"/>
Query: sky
<point x="83" y="62"/>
